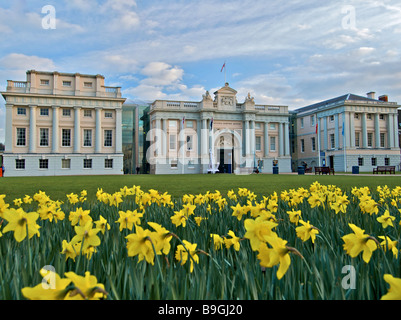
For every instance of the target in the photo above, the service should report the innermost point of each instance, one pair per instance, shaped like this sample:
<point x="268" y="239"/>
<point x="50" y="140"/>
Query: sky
<point x="293" y="53"/>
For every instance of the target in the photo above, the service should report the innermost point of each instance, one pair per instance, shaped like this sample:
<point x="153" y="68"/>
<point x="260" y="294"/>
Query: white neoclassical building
<point x="62" y="124"/>
<point x="347" y="131"/>
<point x="218" y="134"/>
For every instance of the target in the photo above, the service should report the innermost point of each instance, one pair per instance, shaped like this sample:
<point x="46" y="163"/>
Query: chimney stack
<point x="383" y="98"/>
<point x="371" y="95"/>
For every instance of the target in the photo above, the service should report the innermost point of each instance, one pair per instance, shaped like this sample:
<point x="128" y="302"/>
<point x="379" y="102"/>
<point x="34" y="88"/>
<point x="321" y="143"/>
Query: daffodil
<point x="17" y="202"/>
<point x="394" y="292"/>
<point x="294" y="216"/>
<point x="87" y="235"/>
<point x="27" y="199"/>
<point x="102" y="224"/>
<point x="389" y="244"/>
<point x="161" y="238"/>
<point x="179" y="218"/>
<point x="69" y="250"/>
<point x="80" y="217"/>
<point x="198" y="220"/>
<point x="386" y="220"/>
<point x="21" y="222"/>
<point x="182" y="253"/>
<point x="238" y="211"/>
<point x="73" y="198"/>
<point x="257" y="230"/>
<point x="128" y="219"/>
<point x="233" y="241"/>
<point x="217" y="241"/>
<point x="357" y="242"/>
<point x="86" y="287"/>
<point x="140" y="244"/>
<point x="3" y="205"/>
<point x="306" y="231"/>
<point x="277" y="254"/>
<point x="55" y="288"/>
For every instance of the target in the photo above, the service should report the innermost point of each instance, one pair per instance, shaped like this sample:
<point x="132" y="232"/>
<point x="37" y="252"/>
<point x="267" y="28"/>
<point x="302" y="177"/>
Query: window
<point x="44" y="82"/>
<point x="374" y="162"/>
<point x="357" y="139"/>
<point x="20" y="164"/>
<point x="382" y="117"/>
<point x="66" y="112"/>
<point x="87" y="138"/>
<point x="66" y="163"/>
<point x="356" y="116"/>
<point x="369" y="116"/>
<point x="302" y="145"/>
<point x="173" y="141"/>
<point x="190" y="124"/>
<point x="172" y="123"/>
<point x="382" y="140"/>
<point x="370" y="140"/>
<point x="66" y="138"/>
<point x="189" y="143"/>
<point x="108" y="114"/>
<point x="87" y="163"/>
<point x="258" y="143"/>
<point x="44" y="112"/>
<point x="108" y="163"/>
<point x="21" y="137"/>
<point x="108" y="138"/>
<point x="66" y="83"/>
<point x="332" y="141"/>
<point x="258" y="126"/>
<point x="174" y="164"/>
<point x="43" y="163"/>
<point x="44" y="137"/>
<point x="21" y="111"/>
<point x="331" y="118"/>
<point x="313" y="142"/>
<point x="272" y="126"/>
<point x="360" y="162"/>
<point x="302" y="122"/>
<point x="88" y="113"/>
<point x="88" y="84"/>
<point x="273" y="144"/>
<point x="312" y="120"/>
<point x="386" y="161"/>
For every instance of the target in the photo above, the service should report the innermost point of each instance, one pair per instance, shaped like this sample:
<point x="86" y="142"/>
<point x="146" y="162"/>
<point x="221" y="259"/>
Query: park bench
<point x="324" y="170"/>
<point x="384" y="169"/>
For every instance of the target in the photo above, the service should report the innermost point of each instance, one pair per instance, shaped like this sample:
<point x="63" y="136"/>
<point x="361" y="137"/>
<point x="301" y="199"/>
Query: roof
<point x="342" y="98"/>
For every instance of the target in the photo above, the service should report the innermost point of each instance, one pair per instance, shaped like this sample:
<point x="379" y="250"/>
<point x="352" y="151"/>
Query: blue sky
<point x="283" y="52"/>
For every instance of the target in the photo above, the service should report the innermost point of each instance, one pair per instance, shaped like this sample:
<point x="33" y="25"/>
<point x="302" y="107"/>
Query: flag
<point x="183" y="121"/>
<point x="317" y="127"/>
<point x="211" y="124"/>
<point x="224" y="65"/>
<point x="343" y="129"/>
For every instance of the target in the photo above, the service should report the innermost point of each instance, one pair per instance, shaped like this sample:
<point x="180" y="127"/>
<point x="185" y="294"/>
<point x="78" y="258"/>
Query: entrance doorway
<point x="226" y="160"/>
<point x="331" y="162"/>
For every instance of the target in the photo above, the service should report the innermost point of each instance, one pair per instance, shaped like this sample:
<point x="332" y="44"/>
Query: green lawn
<point x="178" y="185"/>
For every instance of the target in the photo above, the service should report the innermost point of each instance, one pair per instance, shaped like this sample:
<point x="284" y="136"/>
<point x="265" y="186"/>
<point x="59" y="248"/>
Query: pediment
<point x="226" y="90"/>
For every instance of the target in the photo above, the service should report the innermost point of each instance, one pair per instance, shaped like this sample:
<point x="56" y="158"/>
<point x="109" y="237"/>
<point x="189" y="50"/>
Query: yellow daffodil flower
<point x="217" y="241"/>
<point x="86" y="288"/>
<point x="357" y="242"/>
<point x="102" y="224"/>
<point x="19" y="221"/>
<point x="182" y="255"/>
<point x="233" y="241"/>
<point x="86" y="235"/>
<point x="306" y="231"/>
<point x="294" y="216"/>
<point x="390" y="244"/>
<point x="140" y="244"/>
<point x="257" y="230"/>
<point x="80" y="217"/>
<point x="386" y="220"/>
<point x="394" y="293"/>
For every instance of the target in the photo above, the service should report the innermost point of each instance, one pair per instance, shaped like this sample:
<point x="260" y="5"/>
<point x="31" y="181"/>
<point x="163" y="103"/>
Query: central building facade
<point x="218" y="135"/>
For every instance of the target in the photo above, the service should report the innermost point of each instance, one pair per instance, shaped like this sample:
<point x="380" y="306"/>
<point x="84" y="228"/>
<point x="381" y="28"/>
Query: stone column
<point x="352" y="129"/>
<point x="32" y="129"/>
<point x="336" y="131"/>
<point x="364" y="131"/>
<point x="252" y="137"/>
<point x="9" y="129"/>
<point x="77" y="129"/>
<point x="281" y="139"/>
<point x="164" y="144"/>
<point x="119" y="135"/>
<point x="287" y="139"/>
<point x="266" y="140"/>
<point x="55" y="129"/>
<point x="377" y="131"/>
<point x="247" y="139"/>
<point x="325" y="135"/>
<point x="390" y="130"/>
<point x="395" y="130"/>
<point x="98" y="133"/>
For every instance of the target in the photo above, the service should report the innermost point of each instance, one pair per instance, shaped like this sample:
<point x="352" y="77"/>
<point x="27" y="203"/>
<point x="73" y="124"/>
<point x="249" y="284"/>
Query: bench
<point x="384" y="169"/>
<point x="324" y="170"/>
<point x="308" y="170"/>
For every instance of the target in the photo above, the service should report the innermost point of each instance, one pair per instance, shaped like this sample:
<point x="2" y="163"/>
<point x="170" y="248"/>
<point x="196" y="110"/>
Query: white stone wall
<point x="55" y="168"/>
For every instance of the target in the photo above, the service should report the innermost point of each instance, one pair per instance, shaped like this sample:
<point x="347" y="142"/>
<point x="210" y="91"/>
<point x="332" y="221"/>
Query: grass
<point x="178" y="185"/>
